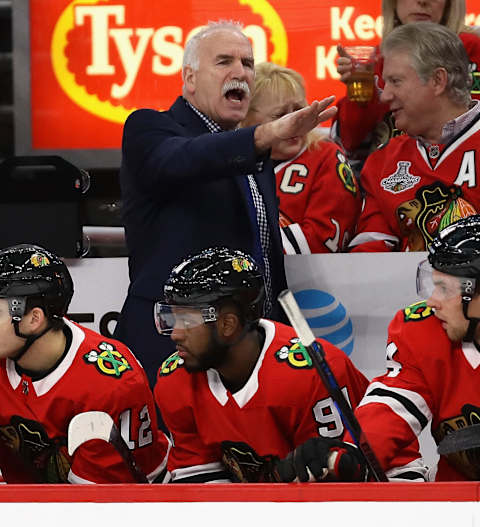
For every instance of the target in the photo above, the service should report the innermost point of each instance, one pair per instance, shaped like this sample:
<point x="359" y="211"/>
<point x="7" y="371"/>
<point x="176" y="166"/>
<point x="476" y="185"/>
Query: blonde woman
<point x="319" y="198"/>
<point x="361" y="128"/>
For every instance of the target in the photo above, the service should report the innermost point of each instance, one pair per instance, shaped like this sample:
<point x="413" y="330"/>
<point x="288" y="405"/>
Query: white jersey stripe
<point x="416" y="466"/>
<point x="197" y="470"/>
<point x="364" y="237"/>
<point x="416" y="400"/>
<point x="288" y="248"/>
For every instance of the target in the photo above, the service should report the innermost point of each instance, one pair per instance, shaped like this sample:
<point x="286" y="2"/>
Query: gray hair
<point x="190" y="54"/>
<point x="433" y="46"/>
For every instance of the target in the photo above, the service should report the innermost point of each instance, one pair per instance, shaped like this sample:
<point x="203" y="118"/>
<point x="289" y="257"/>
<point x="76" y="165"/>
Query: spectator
<point x="190" y="179"/>
<point x="52" y="369"/>
<point x="422" y="181"/>
<point x="240" y="391"/>
<point x="361" y="128"/>
<point x="319" y="198"/>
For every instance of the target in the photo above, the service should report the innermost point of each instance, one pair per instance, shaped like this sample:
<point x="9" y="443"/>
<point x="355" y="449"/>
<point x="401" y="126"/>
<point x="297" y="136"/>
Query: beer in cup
<point x="360" y="84"/>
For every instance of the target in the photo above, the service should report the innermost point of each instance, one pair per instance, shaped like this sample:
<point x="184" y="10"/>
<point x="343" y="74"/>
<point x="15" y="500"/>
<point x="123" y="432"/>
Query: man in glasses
<point x="240" y="392"/>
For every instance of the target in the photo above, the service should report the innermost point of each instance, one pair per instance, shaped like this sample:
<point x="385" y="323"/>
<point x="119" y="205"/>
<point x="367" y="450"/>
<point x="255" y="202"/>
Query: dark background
<point x="101" y="204"/>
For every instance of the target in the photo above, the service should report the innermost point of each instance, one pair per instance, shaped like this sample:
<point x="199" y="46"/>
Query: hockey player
<point x="433" y="354"/>
<point x="319" y="198"/>
<point x="418" y="183"/>
<point x="52" y="369"/>
<point x="240" y="392"/>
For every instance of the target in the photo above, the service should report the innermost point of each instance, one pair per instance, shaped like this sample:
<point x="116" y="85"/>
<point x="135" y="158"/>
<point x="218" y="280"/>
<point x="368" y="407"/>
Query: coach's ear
<point x="189" y="79"/>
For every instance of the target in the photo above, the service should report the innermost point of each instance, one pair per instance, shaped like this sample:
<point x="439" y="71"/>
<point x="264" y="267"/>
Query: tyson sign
<point x="92" y="62"/>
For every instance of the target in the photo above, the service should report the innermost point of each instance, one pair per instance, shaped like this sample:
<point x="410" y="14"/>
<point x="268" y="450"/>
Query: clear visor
<point x="168" y="317"/>
<point x="431" y="282"/>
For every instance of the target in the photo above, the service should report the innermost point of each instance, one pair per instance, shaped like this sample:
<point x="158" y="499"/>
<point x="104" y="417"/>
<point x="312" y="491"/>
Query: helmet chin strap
<point x="472" y="322"/>
<point x="29" y="339"/>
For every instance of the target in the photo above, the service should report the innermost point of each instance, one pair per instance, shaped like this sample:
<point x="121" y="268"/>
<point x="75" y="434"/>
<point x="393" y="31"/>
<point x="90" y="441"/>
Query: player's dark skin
<point x="223" y="345"/>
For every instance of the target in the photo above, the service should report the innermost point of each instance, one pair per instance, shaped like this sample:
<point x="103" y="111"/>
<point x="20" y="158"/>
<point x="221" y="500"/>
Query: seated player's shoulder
<point x="418" y="312"/>
<point x="176" y="391"/>
<point x="174" y="385"/>
<point x="289" y="351"/>
<point x="105" y="358"/>
<point x="417" y="323"/>
<point x="172" y="368"/>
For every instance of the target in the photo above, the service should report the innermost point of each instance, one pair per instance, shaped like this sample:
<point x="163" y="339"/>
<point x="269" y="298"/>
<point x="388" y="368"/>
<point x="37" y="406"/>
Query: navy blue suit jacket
<point x="182" y="192"/>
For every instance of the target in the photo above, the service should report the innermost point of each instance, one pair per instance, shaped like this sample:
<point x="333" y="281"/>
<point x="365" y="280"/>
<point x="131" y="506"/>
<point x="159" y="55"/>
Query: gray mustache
<point x="236" y="85"/>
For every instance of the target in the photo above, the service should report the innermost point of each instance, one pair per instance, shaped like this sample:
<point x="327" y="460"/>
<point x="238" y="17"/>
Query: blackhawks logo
<point x="170" y="364"/>
<point x="39" y="260"/>
<point x="108" y="360"/>
<point x="241" y="264"/>
<point x="417" y="311"/>
<point x="345" y="173"/>
<point x="295" y="355"/>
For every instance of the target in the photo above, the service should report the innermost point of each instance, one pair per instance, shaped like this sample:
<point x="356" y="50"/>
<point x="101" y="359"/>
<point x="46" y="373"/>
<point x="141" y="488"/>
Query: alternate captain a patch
<point x="170" y="364"/>
<point x="108" y="360"/>
<point x="417" y="311"/>
<point x="294" y="355"/>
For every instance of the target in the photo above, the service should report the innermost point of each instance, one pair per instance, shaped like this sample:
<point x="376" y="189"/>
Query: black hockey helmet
<point x="216" y="273"/>
<point x="456" y="249"/>
<point x="31" y="271"/>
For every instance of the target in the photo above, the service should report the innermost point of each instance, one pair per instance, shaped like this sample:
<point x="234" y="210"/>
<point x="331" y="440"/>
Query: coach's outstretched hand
<point x="294" y="124"/>
<point x="322" y="459"/>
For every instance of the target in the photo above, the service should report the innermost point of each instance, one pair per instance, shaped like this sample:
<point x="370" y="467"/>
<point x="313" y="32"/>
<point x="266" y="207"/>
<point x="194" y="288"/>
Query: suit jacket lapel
<point x="185" y="116"/>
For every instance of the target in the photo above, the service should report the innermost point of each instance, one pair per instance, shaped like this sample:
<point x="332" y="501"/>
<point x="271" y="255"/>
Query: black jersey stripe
<point x="410" y="475"/>
<point x="291" y="238"/>
<point x="409" y="406"/>
<point x="204" y="477"/>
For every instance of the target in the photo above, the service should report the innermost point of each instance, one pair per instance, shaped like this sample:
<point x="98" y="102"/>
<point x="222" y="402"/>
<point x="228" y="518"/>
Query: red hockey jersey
<point x="428" y="377"/>
<point x="319" y="200"/>
<point x="412" y="192"/>
<point x="282" y="404"/>
<point x="95" y="374"/>
<point x="354" y="123"/>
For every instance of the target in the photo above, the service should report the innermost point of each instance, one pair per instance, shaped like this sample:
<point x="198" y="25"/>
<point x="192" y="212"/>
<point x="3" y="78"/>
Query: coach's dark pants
<point x="136" y="328"/>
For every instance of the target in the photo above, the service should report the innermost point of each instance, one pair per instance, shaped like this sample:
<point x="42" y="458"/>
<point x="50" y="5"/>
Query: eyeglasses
<point x="443" y="286"/>
<point x="169" y="317"/>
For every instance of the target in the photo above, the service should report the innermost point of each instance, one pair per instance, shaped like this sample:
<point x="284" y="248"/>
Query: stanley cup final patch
<point x="401" y="179"/>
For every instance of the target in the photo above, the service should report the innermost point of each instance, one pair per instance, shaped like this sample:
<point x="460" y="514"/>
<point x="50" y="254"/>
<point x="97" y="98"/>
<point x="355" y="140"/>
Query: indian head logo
<point x="111" y="57"/>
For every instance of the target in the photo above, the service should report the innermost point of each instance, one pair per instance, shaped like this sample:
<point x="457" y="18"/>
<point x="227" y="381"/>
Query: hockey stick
<point x="317" y="355"/>
<point x="99" y="425"/>
<point x="461" y="439"/>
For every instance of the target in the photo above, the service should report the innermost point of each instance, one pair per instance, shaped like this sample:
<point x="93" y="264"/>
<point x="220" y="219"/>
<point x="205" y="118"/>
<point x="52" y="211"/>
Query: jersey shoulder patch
<point x="108" y="360"/>
<point x="417" y="311"/>
<point x="170" y="364"/>
<point x="294" y="354"/>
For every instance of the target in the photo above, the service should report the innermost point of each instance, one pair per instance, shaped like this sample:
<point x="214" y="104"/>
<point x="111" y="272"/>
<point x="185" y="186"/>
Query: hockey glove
<point x="322" y="459"/>
<point x="244" y="465"/>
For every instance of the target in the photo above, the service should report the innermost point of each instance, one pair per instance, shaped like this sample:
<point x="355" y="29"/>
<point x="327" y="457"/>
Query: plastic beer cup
<point x="360" y="84"/>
